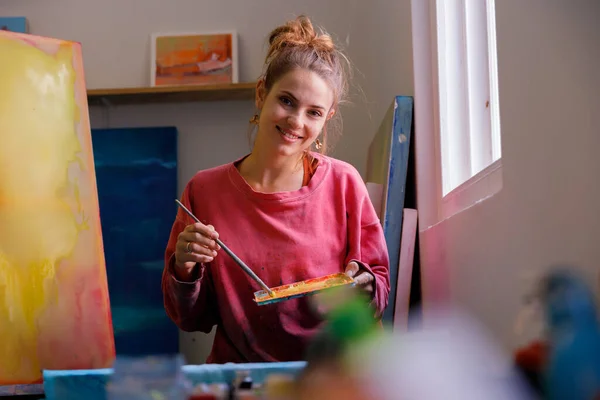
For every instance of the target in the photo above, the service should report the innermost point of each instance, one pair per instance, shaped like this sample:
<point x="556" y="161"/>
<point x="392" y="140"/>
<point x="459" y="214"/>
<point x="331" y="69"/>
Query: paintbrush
<point x="231" y="254"/>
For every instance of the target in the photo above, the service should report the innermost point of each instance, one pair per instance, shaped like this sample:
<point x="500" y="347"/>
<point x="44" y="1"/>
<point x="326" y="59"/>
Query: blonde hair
<point x="296" y="44"/>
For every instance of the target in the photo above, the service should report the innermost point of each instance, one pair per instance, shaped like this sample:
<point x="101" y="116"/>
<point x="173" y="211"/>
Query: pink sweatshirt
<point x="284" y="237"/>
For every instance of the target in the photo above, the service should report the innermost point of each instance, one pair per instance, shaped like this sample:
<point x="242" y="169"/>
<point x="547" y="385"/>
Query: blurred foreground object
<point x="452" y="357"/>
<point x="147" y="378"/>
<point x="349" y="323"/>
<point x="573" y="370"/>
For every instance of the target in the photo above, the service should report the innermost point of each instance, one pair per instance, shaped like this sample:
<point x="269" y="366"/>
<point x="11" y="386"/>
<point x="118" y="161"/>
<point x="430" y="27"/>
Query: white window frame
<point x="456" y="78"/>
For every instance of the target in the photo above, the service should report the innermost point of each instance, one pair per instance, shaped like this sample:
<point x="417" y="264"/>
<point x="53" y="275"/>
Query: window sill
<point x="485" y="184"/>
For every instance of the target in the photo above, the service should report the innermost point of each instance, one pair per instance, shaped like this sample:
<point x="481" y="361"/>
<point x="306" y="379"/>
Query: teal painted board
<point x="136" y="175"/>
<point x="387" y="166"/>
<point x="91" y="384"/>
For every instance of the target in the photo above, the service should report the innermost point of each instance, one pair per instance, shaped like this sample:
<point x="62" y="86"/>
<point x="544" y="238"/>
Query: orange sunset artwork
<point x="194" y="59"/>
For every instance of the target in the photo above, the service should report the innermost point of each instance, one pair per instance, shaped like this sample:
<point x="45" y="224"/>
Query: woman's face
<point x="294" y="112"/>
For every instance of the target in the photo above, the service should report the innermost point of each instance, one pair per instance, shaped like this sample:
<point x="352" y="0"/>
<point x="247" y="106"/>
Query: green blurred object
<point x="352" y="321"/>
<point x="349" y="322"/>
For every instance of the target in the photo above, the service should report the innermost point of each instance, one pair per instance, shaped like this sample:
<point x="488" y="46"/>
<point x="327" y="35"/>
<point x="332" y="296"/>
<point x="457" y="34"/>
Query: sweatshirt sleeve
<point x="191" y="305"/>
<point x="367" y="246"/>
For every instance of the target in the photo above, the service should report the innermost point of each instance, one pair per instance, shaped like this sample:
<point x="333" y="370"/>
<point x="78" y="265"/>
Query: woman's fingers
<point x="206" y="230"/>
<point x="195" y="255"/>
<point x="188" y="247"/>
<point x="192" y="235"/>
<point x="196" y="244"/>
<point x="214" y="235"/>
<point x="365" y="280"/>
<point x="197" y="258"/>
<point x="352" y="268"/>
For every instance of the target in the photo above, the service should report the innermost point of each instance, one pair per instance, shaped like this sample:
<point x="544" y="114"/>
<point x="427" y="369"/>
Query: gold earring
<point x="318" y="144"/>
<point x="254" y="119"/>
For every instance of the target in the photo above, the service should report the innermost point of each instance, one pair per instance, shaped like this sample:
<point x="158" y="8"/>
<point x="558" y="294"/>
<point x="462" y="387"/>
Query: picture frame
<point x="194" y="58"/>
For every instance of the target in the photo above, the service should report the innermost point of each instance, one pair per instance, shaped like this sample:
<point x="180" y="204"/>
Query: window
<point x="468" y="89"/>
<point x="457" y="117"/>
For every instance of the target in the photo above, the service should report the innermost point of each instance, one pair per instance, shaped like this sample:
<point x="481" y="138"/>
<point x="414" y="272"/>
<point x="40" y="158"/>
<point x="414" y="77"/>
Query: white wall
<point x="115" y="39"/>
<point x="546" y="213"/>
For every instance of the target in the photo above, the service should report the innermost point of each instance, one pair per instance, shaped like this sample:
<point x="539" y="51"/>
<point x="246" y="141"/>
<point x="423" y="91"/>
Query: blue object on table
<point x="147" y="378"/>
<point x="223" y="373"/>
<point x="77" y="384"/>
<point x="136" y="174"/>
<point x="91" y="384"/>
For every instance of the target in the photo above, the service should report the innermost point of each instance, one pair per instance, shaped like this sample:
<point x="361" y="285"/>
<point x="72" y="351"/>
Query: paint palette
<point x="303" y="288"/>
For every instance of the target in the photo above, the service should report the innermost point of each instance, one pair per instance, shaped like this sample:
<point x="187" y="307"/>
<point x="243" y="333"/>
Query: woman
<point x="291" y="214"/>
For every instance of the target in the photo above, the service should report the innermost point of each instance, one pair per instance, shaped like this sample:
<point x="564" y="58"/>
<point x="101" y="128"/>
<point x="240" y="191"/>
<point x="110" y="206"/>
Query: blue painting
<point x="388" y="167"/>
<point x="14" y="24"/>
<point x="136" y="173"/>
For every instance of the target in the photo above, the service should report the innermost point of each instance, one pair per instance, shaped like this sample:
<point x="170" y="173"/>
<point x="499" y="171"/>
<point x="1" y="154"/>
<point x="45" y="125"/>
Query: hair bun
<point x="299" y="33"/>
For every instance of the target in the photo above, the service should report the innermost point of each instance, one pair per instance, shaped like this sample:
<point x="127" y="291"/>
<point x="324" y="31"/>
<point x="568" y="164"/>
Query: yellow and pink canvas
<point x="54" y="305"/>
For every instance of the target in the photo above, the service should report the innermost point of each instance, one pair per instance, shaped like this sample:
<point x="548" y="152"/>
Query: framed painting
<point x="194" y="58"/>
<point x="54" y="302"/>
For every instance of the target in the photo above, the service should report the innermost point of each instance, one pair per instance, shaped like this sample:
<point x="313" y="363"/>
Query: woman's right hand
<point x="195" y="244"/>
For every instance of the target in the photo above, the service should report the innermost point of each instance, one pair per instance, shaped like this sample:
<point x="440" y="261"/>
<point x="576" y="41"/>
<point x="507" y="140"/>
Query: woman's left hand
<point x="362" y="278"/>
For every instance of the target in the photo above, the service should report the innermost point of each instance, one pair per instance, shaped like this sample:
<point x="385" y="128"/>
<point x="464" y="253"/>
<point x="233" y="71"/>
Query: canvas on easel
<point x="387" y="173"/>
<point x="54" y="304"/>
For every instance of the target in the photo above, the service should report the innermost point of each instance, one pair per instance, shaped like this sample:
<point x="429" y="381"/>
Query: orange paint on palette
<point x="303" y="288"/>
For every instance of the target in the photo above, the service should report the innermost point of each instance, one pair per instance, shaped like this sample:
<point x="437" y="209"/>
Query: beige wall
<point x="115" y="39"/>
<point x="381" y="50"/>
<point x="547" y="211"/>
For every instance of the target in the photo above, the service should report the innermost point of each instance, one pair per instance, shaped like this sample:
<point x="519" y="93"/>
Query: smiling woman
<point x="297" y="107"/>
<point x="303" y="83"/>
<point x="288" y="212"/>
<point x="293" y="114"/>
